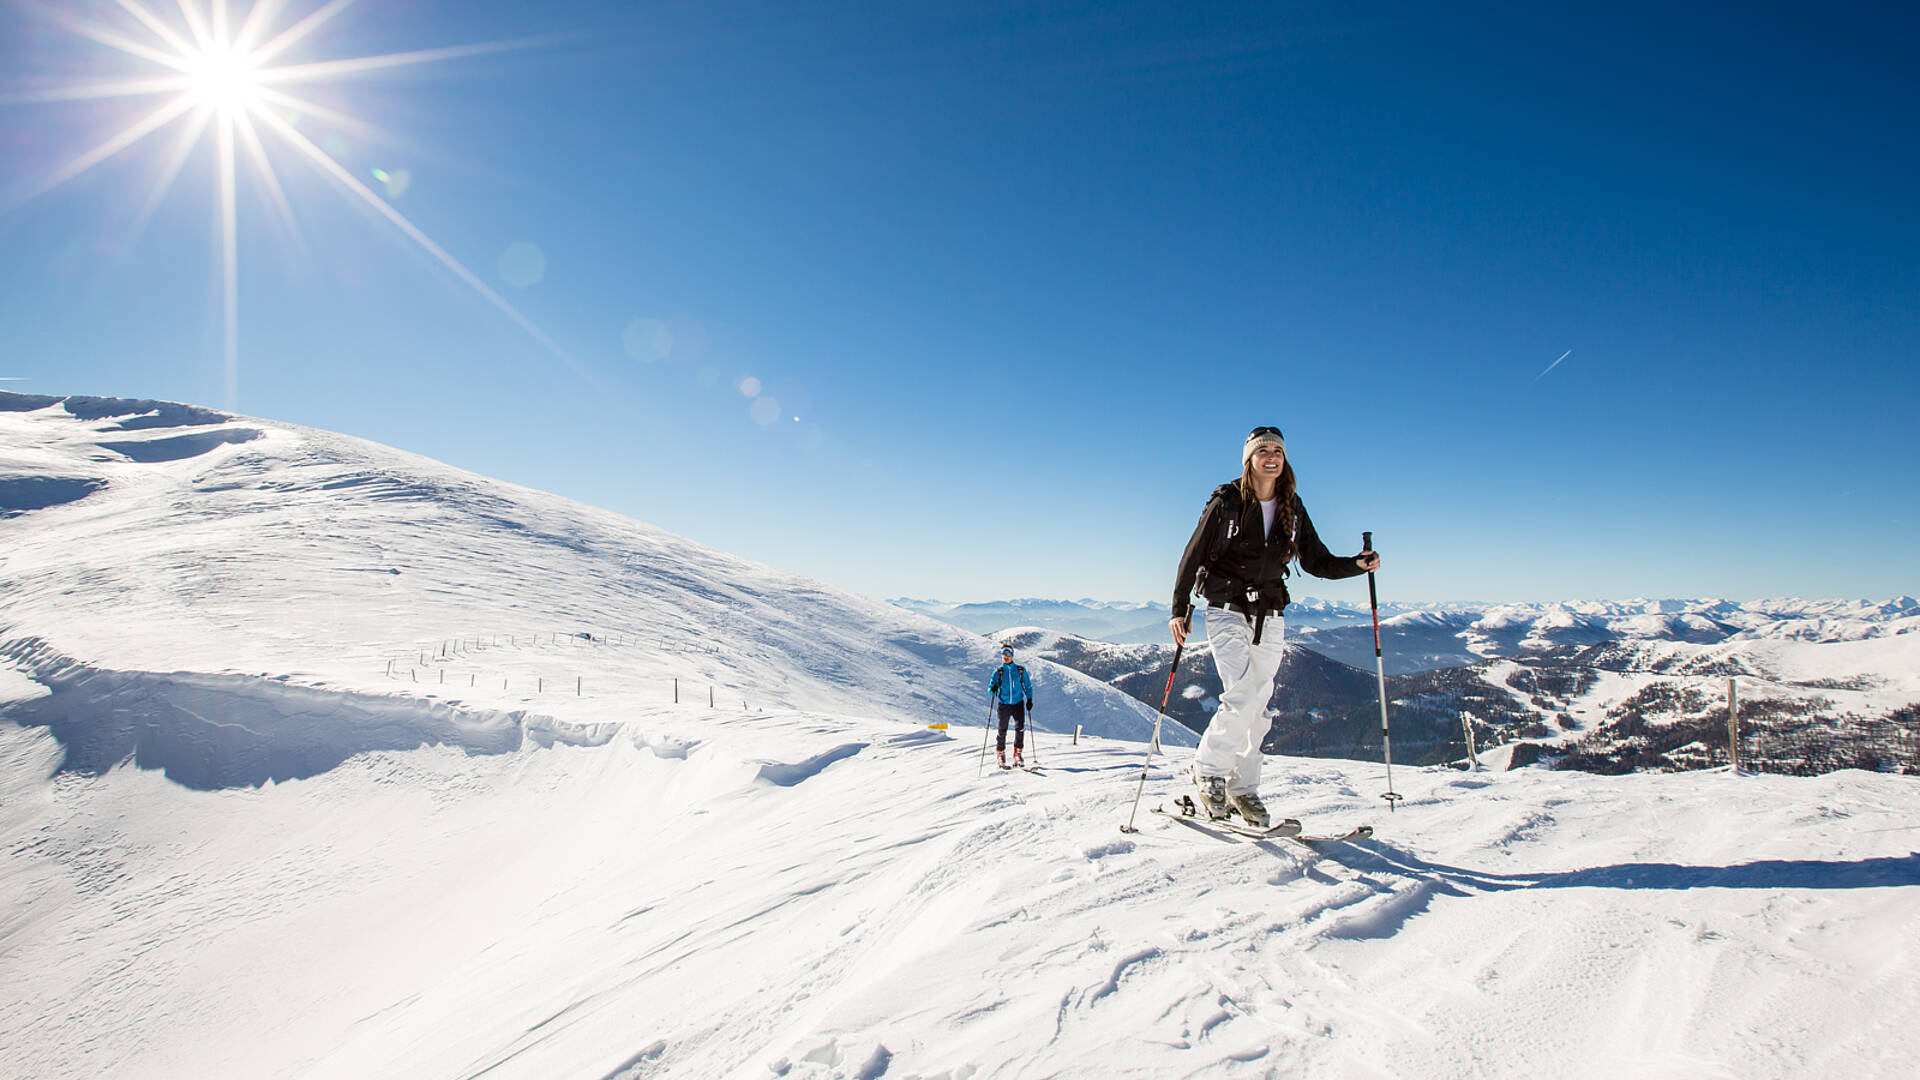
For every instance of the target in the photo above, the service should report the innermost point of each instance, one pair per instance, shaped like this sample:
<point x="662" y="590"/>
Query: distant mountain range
<point x="1425" y="637"/>
<point x="1123" y="622"/>
<point x="1607" y="686"/>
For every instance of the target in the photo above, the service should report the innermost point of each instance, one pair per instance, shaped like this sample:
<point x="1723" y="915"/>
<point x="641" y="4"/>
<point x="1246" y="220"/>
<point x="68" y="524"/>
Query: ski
<point x="1230" y="830"/>
<point x="1358" y="832"/>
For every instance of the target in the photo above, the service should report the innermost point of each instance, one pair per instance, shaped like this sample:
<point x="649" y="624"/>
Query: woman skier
<point x="1237" y="560"/>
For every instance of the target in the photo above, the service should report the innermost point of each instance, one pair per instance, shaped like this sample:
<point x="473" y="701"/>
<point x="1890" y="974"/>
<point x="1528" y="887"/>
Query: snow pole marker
<point x="1154" y="743"/>
<point x="1733" y="727"/>
<point x="1380" y="672"/>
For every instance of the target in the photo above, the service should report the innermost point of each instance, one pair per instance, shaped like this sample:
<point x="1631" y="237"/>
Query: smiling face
<point x="1266" y="462"/>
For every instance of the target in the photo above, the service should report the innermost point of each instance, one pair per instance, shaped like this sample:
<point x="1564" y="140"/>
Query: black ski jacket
<point x="1235" y="566"/>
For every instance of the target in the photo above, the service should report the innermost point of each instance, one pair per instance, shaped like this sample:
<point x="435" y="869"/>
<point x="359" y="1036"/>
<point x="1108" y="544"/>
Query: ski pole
<point x="1380" y="672"/>
<point x="1033" y="740"/>
<point x="985" y="738"/>
<point x="1153" y="743"/>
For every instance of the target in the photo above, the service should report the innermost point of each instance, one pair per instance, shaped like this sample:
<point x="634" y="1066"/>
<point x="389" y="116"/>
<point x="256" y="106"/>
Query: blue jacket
<point x="1011" y="685"/>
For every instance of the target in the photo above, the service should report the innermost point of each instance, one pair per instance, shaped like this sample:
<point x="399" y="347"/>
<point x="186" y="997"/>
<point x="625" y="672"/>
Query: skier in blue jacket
<point x="1013" y="692"/>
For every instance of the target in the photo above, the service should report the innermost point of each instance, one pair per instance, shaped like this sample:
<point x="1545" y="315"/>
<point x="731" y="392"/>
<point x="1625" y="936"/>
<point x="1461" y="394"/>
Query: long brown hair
<point x="1282" y="490"/>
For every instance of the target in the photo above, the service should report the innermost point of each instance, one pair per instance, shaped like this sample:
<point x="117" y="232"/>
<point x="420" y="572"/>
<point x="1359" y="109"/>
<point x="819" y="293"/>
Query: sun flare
<point x="221" y="78"/>
<point x="225" y="78"/>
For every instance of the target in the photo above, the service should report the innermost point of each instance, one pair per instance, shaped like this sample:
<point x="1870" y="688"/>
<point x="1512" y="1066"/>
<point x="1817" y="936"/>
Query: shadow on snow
<point x="1870" y="873"/>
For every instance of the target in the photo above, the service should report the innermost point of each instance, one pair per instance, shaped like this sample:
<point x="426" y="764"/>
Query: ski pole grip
<point x="1373" y="596"/>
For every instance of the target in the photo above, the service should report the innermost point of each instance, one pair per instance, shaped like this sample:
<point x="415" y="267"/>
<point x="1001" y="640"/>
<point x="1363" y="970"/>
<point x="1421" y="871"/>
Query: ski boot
<point x="1251" y="810"/>
<point x="1002" y="755"/>
<point x="1019" y="760"/>
<point x="1213" y="796"/>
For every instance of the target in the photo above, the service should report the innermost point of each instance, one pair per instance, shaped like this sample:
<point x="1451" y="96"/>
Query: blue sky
<point x="1026" y="274"/>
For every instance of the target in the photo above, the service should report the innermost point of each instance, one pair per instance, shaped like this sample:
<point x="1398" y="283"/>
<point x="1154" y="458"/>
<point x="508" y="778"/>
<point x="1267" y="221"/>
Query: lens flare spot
<point x="764" y="410"/>
<point x="647" y="340"/>
<point x="523" y="265"/>
<point x="749" y="387"/>
<point x="396" y="182"/>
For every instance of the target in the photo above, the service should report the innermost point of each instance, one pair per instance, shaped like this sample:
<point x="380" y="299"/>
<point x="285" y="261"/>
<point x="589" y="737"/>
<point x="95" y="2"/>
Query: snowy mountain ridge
<point x="151" y="537"/>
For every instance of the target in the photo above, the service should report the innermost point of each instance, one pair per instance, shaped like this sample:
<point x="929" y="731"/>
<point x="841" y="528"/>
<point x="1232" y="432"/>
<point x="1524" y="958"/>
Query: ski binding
<point x="1184" y="811"/>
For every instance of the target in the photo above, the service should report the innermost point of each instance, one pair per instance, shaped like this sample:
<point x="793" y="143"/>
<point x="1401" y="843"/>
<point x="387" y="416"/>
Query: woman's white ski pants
<point x="1231" y="745"/>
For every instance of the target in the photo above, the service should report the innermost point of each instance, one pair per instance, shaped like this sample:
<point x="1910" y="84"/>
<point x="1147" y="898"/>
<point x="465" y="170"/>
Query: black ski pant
<point x="1017" y="713"/>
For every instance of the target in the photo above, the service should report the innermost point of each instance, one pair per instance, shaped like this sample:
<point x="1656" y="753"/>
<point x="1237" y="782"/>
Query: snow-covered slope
<point x="177" y="540"/>
<point x="811" y="896"/>
<point x="336" y="871"/>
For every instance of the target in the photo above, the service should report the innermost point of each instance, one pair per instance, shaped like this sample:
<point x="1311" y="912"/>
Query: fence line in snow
<point x="436" y="659"/>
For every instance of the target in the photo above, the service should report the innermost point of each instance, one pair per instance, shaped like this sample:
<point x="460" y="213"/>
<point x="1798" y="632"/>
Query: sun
<point x="225" y="78"/>
<point x="219" y="80"/>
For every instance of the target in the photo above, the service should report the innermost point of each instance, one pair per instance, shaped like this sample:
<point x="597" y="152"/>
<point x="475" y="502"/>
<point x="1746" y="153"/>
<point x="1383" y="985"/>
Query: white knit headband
<point x="1261" y="437"/>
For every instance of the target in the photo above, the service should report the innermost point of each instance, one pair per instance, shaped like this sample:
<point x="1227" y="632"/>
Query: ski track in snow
<point x="233" y="845"/>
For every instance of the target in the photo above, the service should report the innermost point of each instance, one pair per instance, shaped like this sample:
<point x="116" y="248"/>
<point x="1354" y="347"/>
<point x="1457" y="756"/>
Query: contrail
<point x="1553" y="365"/>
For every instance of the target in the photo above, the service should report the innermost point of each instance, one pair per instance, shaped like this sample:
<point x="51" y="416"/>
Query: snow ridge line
<point x="210" y="731"/>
